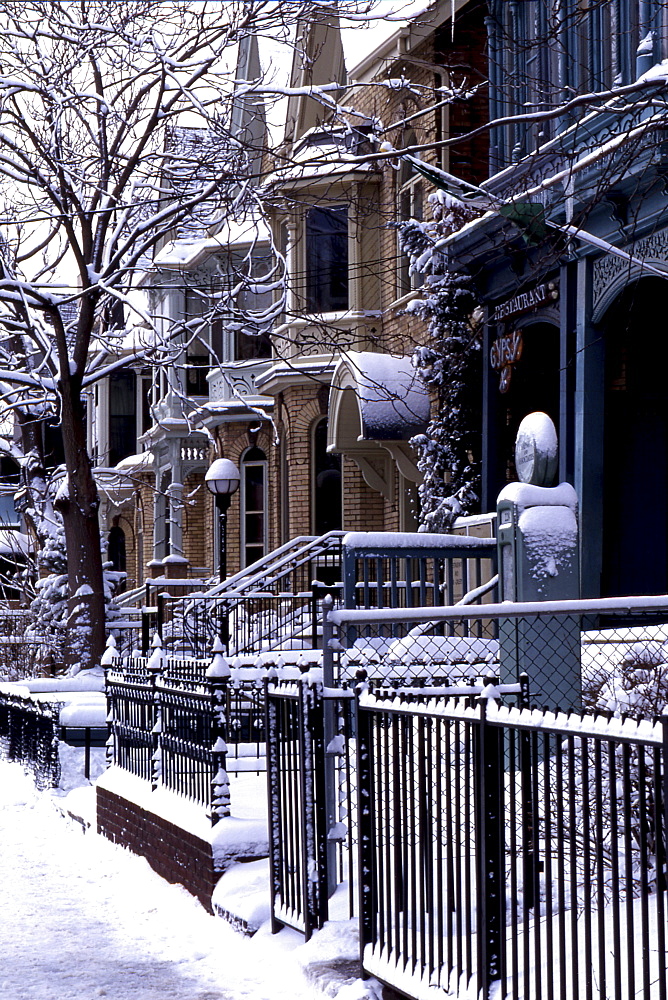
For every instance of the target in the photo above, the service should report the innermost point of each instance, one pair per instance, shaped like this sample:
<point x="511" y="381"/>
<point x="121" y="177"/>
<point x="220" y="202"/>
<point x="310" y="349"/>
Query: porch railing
<point x="275" y="603"/>
<point x="275" y="597"/>
<point x="407" y="570"/>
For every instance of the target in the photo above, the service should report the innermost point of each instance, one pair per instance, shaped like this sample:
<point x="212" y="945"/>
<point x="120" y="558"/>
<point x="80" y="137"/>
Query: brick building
<point x="317" y="426"/>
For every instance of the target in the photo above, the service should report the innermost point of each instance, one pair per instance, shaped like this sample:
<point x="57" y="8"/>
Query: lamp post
<point x="222" y="479"/>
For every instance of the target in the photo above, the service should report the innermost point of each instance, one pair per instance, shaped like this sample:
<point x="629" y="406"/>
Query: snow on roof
<point x="13" y="543"/>
<point x="191" y="251"/>
<point x="393" y="400"/>
<point x="134" y="462"/>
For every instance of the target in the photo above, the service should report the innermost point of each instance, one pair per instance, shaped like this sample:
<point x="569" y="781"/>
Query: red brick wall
<point x="175" y="854"/>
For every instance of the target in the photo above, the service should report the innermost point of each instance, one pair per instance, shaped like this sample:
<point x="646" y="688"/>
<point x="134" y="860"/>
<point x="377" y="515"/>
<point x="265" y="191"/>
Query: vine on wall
<point x="450" y="364"/>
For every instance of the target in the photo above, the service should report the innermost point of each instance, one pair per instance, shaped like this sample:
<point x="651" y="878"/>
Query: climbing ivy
<point x="450" y="365"/>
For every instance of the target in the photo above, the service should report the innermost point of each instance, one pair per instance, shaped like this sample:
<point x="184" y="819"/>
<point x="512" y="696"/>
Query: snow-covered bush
<point x="53" y="621"/>
<point x="450" y="365"/>
<point x="636" y="685"/>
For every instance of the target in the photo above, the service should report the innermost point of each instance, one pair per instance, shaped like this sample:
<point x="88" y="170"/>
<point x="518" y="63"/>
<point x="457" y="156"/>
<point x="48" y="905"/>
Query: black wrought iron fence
<point x="310" y="774"/>
<point x="498" y="849"/>
<point x="512" y="850"/>
<point x="131" y="704"/>
<point x="167" y="716"/>
<point x="183" y="759"/>
<point x="29" y="732"/>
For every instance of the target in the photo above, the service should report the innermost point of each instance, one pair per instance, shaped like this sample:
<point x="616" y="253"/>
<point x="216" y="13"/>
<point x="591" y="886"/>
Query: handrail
<point x="506" y="609"/>
<point x="285" y="557"/>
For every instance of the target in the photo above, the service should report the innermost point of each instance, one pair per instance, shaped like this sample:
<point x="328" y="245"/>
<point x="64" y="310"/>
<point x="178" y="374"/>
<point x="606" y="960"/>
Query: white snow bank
<point x="243" y="834"/>
<point x="80" y="918"/>
<point x="242" y="895"/>
<point x="85" y="680"/>
<point x="90" y="711"/>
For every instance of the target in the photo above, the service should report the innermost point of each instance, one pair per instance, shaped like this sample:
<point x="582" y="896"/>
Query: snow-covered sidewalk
<point x="82" y="918"/>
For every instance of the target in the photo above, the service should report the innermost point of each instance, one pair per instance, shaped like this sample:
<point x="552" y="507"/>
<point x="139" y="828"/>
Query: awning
<point x="375" y="397"/>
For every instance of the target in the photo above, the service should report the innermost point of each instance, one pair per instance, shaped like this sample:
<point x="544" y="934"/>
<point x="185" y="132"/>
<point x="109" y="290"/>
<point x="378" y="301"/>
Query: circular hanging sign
<point x="536" y="450"/>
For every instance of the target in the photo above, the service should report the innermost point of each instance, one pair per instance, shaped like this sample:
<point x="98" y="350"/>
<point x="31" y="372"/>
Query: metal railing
<point x="496" y="840"/>
<point x="407" y="570"/>
<point x="611" y="653"/>
<point x="29" y="736"/>
<point x="503" y="850"/>
<point x="511" y="851"/>
<point x="275" y="600"/>
<point x="166" y="714"/>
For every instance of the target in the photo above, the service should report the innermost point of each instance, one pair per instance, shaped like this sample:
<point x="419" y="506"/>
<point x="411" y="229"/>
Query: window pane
<point x="327" y="259"/>
<point x="254" y="472"/>
<point x="196" y="373"/>
<point x="122" y="416"/>
<point x="254" y="488"/>
<point x="254" y="529"/>
<point x="327" y="485"/>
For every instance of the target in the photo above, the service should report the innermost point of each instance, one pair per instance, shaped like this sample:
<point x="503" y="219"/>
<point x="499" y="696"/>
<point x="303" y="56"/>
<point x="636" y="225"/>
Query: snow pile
<point x="81" y="917"/>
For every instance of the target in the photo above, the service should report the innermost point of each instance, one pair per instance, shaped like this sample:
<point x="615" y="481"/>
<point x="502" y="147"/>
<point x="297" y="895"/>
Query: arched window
<point x="326" y="471"/>
<point x="253" y="505"/>
<point x="116" y="551"/>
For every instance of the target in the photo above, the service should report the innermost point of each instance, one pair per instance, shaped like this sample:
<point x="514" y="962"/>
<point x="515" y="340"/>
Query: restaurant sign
<point x="541" y="295"/>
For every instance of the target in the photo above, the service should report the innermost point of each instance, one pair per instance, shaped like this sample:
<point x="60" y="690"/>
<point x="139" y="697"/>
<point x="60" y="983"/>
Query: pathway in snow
<point x="81" y="918"/>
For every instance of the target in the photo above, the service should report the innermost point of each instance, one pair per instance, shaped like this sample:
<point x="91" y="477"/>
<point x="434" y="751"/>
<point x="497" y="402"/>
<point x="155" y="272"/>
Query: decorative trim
<point x="380" y="481"/>
<point x="608" y="270"/>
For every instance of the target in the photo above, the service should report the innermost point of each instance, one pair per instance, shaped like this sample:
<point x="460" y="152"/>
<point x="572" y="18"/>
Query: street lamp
<point x="222" y="479"/>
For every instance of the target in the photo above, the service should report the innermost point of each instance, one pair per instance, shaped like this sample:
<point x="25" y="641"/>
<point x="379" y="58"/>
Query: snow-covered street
<point x="81" y="918"/>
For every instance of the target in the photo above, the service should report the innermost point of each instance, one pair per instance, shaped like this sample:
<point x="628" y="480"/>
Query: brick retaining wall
<point x="175" y="854"/>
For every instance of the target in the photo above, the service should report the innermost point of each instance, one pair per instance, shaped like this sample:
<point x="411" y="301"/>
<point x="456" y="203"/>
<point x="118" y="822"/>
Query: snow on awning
<point x="392" y="403"/>
<point x="116" y="485"/>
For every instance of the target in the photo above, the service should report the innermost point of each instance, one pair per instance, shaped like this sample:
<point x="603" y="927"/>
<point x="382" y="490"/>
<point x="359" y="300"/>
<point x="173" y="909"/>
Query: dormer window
<point x="327" y="259"/>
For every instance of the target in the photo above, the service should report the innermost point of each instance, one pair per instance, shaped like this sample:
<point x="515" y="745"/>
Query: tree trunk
<point x="78" y="504"/>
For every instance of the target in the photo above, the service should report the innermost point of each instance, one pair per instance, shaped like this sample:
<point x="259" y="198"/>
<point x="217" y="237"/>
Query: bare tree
<point x="91" y="182"/>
